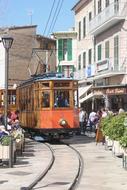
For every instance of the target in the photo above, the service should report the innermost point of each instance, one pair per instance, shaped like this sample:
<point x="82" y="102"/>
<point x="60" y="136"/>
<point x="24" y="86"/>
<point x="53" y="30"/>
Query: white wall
<point x="2" y="66"/>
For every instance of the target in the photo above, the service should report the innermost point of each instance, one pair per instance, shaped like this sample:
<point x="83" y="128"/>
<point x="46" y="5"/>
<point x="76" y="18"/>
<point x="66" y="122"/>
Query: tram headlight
<point x="63" y="122"/>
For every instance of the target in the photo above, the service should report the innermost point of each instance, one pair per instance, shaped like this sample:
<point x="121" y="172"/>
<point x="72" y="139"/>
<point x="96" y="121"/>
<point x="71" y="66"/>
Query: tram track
<point x="42" y="175"/>
<point x="67" y="175"/>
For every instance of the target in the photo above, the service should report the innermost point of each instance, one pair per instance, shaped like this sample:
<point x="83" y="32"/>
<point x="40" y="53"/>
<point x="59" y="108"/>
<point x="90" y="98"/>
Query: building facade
<point x="106" y="65"/>
<point x="66" y="52"/>
<point x="30" y="54"/>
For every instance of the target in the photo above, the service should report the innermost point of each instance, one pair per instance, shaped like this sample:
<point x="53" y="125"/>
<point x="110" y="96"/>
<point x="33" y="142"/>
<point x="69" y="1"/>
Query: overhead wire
<point x="49" y="17"/>
<point x="57" y="11"/>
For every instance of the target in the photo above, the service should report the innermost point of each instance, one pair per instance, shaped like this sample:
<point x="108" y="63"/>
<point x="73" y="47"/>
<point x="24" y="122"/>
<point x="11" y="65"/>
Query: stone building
<point x="30" y="54"/>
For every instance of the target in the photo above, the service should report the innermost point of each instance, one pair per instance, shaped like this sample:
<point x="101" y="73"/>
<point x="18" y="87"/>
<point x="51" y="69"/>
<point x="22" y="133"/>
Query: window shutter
<point x="69" y="49"/>
<point x="60" y="69"/>
<point x="60" y="49"/>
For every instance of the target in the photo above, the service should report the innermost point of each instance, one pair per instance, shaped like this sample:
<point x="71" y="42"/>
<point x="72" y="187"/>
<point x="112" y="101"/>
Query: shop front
<point x="113" y="97"/>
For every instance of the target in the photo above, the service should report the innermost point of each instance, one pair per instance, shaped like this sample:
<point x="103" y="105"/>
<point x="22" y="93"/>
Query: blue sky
<point x="18" y="13"/>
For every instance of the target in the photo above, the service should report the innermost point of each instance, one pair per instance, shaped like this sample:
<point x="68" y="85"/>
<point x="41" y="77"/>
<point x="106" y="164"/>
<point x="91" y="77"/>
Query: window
<point x="61" y="98"/>
<point x="90" y="16"/>
<point x="84" y="59"/>
<point x="45" y="99"/>
<point x="99" y="52"/>
<point x="90" y="56"/>
<point x="116" y="6"/>
<point x="65" y="49"/>
<point x="79" y="31"/>
<point x="116" y="52"/>
<point x="99" y="6"/>
<point x="107" y="49"/>
<point x="84" y="27"/>
<point x="106" y="3"/>
<point x="11" y="97"/>
<point x="79" y="62"/>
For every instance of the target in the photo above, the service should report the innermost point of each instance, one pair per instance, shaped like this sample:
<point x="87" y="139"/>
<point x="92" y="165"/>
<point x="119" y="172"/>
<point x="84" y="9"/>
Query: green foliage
<point x="5" y="140"/>
<point x="123" y="140"/>
<point x="114" y="126"/>
<point x="105" y="125"/>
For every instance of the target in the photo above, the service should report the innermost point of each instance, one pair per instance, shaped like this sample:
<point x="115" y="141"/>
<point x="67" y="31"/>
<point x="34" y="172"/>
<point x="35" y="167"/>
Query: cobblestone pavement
<point x="102" y="170"/>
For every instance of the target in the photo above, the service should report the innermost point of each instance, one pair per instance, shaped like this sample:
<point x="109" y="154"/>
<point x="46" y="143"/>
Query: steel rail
<point x="42" y="175"/>
<point x="80" y="169"/>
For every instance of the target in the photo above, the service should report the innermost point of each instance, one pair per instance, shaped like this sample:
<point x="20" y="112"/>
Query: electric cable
<point x="49" y="17"/>
<point x="57" y="11"/>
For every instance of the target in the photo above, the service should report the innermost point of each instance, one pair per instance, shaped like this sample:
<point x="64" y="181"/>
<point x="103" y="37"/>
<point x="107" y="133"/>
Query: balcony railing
<point x="107" y="65"/>
<point x="109" y="16"/>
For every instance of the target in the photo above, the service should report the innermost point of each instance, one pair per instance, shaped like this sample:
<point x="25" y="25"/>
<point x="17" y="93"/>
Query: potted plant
<point x="105" y="127"/>
<point x="116" y="132"/>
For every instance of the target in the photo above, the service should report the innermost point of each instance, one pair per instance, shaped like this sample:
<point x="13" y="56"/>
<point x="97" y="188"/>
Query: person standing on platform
<point x="82" y="121"/>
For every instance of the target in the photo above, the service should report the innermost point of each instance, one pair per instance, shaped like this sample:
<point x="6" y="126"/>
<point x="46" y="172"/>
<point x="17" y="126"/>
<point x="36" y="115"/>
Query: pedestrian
<point x="91" y="121"/>
<point x="81" y="121"/>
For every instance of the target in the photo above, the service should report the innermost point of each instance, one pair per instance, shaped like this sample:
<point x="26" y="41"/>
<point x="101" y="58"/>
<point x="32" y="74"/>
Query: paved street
<point x="102" y="171"/>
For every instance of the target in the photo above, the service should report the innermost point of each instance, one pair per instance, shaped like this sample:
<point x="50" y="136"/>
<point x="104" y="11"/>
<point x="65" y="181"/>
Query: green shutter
<point x="99" y="52"/>
<point x="73" y="68"/>
<point x="60" y="49"/>
<point x="60" y="69"/>
<point x="69" y="49"/>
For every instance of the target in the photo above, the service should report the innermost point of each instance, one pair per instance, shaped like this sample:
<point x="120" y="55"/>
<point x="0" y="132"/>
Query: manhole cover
<point x="19" y="173"/>
<point x="3" y="181"/>
<point x="100" y="157"/>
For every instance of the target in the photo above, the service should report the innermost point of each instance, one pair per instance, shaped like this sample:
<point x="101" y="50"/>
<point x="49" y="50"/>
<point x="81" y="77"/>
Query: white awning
<point x="83" y="90"/>
<point x="90" y="96"/>
<point x="86" y="98"/>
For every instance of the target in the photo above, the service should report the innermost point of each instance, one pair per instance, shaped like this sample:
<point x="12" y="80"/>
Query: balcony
<point x="110" y="16"/>
<point x="106" y="68"/>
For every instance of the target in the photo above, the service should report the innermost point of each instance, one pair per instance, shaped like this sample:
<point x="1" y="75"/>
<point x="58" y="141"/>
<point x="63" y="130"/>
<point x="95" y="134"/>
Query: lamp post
<point x="7" y="43"/>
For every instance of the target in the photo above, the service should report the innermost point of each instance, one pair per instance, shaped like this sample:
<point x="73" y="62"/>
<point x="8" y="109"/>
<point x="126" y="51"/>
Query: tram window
<point x="45" y="99"/>
<point x="75" y="98"/>
<point x="46" y="84"/>
<point x="61" y="98"/>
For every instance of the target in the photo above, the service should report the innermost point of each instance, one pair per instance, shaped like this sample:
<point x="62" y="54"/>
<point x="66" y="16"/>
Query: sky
<point x="37" y="12"/>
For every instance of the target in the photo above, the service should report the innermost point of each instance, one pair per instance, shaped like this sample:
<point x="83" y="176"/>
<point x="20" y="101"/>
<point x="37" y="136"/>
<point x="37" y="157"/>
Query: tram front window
<point x="61" y="98"/>
<point x="45" y="99"/>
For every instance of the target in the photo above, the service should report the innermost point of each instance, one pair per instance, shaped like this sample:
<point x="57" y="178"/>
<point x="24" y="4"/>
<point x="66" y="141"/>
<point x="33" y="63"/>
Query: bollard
<point x="11" y="152"/>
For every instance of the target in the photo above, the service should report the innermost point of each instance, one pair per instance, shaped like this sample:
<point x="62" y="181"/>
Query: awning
<point x="90" y="96"/>
<point x="83" y="90"/>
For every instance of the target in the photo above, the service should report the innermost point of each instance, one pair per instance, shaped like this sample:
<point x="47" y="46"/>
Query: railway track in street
<point x="63" y="172"/>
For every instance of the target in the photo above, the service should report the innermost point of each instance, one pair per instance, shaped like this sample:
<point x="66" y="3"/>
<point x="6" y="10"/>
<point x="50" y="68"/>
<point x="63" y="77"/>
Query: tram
<point x="48" y="104"/>
<point x="11" y="100"/>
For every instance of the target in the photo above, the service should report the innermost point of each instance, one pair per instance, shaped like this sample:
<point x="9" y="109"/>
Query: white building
<point x="104" y="23"/>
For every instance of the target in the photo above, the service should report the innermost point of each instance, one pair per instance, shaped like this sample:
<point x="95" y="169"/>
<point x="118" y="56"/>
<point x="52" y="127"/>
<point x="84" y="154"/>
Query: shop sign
<point x="115" y="91"/>
<point x="90" y="71"/>
<point x="103" y="65"/>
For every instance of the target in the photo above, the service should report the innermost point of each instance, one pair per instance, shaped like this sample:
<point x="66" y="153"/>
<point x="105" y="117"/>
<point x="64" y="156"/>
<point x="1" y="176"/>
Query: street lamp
<point x="7" y="43"/>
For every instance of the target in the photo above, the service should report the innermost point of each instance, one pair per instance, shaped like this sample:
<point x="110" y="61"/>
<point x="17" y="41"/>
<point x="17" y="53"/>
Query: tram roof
<point x="47" y="76"/>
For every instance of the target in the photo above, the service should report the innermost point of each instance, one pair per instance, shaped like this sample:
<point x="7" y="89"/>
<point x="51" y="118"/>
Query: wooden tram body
<point x="11" y="100"/>
<point x="48" y="104"/>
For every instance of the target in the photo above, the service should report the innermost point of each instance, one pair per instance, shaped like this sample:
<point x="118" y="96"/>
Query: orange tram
<point x="11" y="100"/>
<point x="48" y="104"/>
